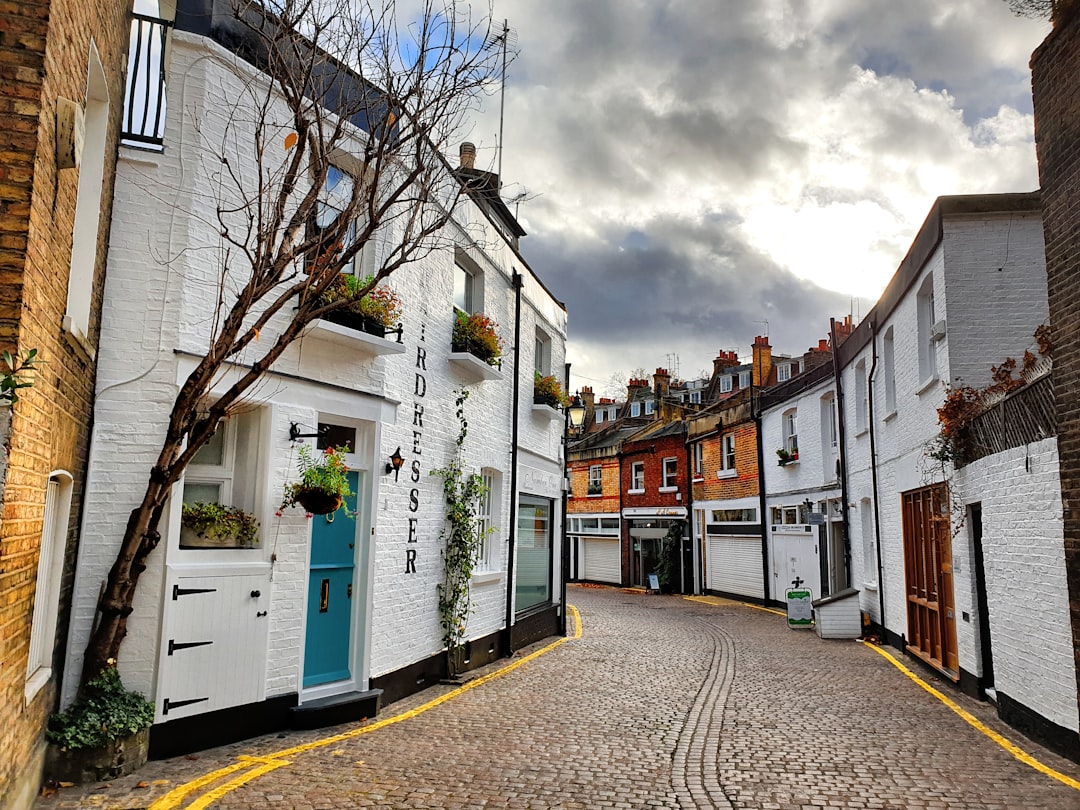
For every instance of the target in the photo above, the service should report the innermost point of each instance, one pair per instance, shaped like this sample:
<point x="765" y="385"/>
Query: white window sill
<point x="869" y="586"/>
<point x="889" y="416"/>
<point x="668" y="489"/>
<point x="726" y="473"/>
<point x="352" y="339"/>
<point x="793" y="463"/>
<point x="926" y="385"/>
<point x="473" y="368"/>
<point x="635" y="492"/>
<point x="698" y="480"/>
<point x="596" y="495"/>
<point x="547" y="412"/>
<point x="484" y="577"/>
<point x="35" y="682"/>
<point x="860" y="432"/>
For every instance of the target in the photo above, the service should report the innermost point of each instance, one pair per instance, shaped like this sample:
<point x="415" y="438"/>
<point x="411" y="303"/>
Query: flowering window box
<point x="472" y="368"/>
<point x="351" y="338"/>
<point x="544" y="411"/>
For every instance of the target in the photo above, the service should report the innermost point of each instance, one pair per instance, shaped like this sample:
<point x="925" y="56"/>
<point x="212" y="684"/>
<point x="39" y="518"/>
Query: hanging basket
<point x="318" y="501"/>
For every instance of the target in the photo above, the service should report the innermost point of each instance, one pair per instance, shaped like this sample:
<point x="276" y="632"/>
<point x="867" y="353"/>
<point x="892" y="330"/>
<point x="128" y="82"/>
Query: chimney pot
<point x="468" y="155"/>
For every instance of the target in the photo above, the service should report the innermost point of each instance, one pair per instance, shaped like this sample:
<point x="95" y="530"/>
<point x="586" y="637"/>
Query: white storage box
<point x="838" y="616"/>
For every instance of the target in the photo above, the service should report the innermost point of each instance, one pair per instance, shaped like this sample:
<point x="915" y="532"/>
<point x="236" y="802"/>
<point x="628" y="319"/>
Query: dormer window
<point x="725" y="384"/>
<point x="783" y="372"/>
<point x="635" y="409"/>
<point x="649" y="406"/>
<point x="744" y="379"/>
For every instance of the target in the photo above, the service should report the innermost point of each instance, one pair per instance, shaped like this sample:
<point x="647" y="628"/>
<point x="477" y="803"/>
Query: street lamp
<point x="575" y="418"/>
<point x="575" y="414"/>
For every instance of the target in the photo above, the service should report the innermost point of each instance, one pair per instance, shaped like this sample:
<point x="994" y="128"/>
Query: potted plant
<point x="548" y="391"/>
<point x="784" y="456"/>
<point x="476" y="335"/>
<point x="214" y="525"/>
<point x="376" y="313"/>
<point x="103" y="735"/>
<point x="323" y="484"/>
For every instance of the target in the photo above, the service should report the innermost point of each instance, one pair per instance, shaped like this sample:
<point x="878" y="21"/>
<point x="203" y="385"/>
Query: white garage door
<point x="734" y="565"/>
<point x="601" y="563"/>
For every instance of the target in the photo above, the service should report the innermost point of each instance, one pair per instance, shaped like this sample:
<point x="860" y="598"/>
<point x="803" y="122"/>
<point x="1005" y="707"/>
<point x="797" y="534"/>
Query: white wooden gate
<point x="213" y="644"/>
<point x="793" y="554"/>
<point x="733" y="565"/>
<point x="601" y="561"/>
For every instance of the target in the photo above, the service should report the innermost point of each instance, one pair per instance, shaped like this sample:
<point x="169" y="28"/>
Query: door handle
<point x="324" y="596"/>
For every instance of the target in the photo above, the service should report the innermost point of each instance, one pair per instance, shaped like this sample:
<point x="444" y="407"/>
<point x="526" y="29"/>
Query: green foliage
<point x="13" y="379"/>
<point x="327" y="472"/>
<point x="224" y="521"/>
<point x="549" y="390"/>
<point x="668" y="563"/>
<point x="380" y="304"/>
<point x="477" y="335"/>
<point x="104" y="711"/>
<point x="463" y="536"/>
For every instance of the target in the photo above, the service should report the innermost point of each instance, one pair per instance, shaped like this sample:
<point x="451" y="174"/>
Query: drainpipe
<point x="842" y="439"/>
<point x="689" y="523"/>
<point x="508" y="641"/>
<point x="873" y="471"/>
<point x="756" y="414"/>
<point x="564" y="562"/>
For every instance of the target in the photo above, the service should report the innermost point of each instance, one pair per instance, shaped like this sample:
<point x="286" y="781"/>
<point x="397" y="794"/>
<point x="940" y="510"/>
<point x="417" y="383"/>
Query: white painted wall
<point x="155" y="321"/>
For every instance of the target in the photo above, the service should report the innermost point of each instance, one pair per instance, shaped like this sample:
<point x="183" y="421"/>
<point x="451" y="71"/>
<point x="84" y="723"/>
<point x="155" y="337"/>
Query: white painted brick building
<point x="229" y="631"/>
<point x="970" y="293"/>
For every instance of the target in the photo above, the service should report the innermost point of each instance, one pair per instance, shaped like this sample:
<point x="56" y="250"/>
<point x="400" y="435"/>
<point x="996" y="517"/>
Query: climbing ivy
<point x="463" y="536"/>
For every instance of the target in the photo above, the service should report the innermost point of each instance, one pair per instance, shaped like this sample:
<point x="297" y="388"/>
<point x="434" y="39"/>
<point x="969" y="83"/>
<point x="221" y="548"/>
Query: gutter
<point x="841" y="423"/>
<point x="564" y="552"/>
<point x="755" y="414"/>
<point x="508" y="641"/>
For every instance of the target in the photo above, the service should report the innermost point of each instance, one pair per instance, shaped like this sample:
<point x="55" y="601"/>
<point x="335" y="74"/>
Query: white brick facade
<point x="161" y="290"/>
<point x="988" y="280"/>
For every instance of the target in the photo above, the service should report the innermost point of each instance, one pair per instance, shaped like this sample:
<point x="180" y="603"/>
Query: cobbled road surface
<point x="662" y="702"/>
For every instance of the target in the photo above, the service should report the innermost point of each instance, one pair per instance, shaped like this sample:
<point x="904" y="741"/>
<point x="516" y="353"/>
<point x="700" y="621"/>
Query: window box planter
<point x="359" y="323"/>
<point x="472" y="368"/>
<point x="355" y="339"/>
<point x="546" y="410"/>
<point x="213" y="525"/>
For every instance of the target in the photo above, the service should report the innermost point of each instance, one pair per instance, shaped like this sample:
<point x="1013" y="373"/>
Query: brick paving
<point x="664" y="702"/>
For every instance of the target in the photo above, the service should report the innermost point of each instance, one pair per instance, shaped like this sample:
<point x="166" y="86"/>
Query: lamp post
<point x="574" y="419"/>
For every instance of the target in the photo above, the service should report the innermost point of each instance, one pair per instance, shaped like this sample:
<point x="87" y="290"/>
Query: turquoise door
<point x="330" y="585"/>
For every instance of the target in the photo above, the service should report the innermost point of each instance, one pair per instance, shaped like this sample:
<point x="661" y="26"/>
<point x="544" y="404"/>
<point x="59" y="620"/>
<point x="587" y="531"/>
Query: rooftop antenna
<point x="503" y="40"/>
<point x="766" y="327"/>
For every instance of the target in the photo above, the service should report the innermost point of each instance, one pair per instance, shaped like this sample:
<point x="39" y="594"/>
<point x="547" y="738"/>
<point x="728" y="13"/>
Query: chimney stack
<point x="468" y="155"/>
<point x="761" y="367"/>
<point x="661" y="383"/>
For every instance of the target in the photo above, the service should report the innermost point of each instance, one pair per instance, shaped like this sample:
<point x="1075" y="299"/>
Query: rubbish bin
<point x="838" y="616"/>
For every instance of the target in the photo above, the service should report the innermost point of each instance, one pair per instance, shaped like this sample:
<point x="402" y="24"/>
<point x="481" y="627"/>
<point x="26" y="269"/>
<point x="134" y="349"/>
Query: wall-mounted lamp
<point x="395" y="462"/>
<point x="575" y="413"/>
<point x="294" y="432"/>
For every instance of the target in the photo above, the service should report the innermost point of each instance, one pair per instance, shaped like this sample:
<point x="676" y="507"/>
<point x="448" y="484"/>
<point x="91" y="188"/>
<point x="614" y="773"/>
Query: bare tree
<point x="338" y="78"/>
<point x="1043" y="9"/>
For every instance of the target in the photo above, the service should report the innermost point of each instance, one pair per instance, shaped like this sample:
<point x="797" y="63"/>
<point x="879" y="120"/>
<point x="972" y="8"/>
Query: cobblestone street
<point x="662" y="702"/>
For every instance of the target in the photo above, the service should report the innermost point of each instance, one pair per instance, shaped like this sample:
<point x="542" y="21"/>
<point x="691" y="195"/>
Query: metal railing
<point x="144" y="99"/>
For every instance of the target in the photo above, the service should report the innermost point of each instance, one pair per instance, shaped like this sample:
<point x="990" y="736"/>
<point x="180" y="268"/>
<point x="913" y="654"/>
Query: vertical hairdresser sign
<point x="416" y="451"/>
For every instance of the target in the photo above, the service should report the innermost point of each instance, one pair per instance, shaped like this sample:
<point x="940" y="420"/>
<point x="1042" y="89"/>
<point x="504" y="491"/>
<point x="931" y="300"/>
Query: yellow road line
<point x="717" y="600"/>
<point x="270" y="762"/>
<point x="975" y="723"/>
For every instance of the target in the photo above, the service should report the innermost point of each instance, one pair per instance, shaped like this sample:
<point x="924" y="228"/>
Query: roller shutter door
<point x="602" y="560"/>
<point x="734" y="566"/>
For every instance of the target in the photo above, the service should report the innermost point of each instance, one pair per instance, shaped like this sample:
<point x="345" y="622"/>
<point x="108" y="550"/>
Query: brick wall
<point x="1056" y="88"/>
<point x="580" y="501"/>
<point x="744" y="484"/>
<point x="44" y="50"/>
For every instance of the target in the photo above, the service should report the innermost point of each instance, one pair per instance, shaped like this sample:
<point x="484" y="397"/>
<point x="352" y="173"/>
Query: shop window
<point x="532" y="585"/>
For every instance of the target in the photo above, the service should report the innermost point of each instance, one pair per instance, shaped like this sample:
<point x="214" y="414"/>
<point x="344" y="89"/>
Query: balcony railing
<point x="1024" y="416"/>
<point x="144" y="102"/>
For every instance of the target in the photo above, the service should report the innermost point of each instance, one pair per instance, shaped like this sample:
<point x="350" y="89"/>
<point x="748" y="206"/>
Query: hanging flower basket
<point x="318" y="501"/>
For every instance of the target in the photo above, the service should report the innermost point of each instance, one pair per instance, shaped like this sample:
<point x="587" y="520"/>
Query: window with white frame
<point x="599" y="416"/>
<point x="225" y="469"/>
<point x="649" y="406"/>
<point x="925" y="317"/>
<point x="868" y="543"/>
<point x="888" y="360"/>
<point x="725" y="384"/>
<point x="335" y="197"/>
<point x="635" y="409"/>
<point x="596" y="479"/>
<point x="861" y="401"/>
<point x="468" y="285"/>
<point x="47" y="586"/>
<point x="671" y="473"/>
<point x="791" y="430"/>
<point x="783" y="372"/>
<point x="637" y="476"/>
<point x="542" y="353"/>
<point x="727" y="454"/>
<point x="612" y="413"/>
<point x="744" y="379"/>
<point x="828" y="421"/>
<point x="88" y="206"/>
<point x="695" y="397"/>
<point x="699" y="464"/>
<point x="487" y="553"/>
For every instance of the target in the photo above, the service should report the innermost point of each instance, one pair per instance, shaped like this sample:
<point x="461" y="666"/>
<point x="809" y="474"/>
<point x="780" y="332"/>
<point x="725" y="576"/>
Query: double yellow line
<point x="963" y="714"/>
<point x="255" y="766"/>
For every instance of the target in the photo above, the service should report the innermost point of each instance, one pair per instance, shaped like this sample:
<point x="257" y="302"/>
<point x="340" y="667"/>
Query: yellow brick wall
<point x="44" y="48"/>
<point x="745" y="483"/>
<point x="582" y="503"/>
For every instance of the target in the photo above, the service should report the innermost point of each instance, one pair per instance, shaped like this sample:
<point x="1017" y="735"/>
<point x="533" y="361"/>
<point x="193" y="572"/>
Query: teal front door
<point x="330" y="596"/>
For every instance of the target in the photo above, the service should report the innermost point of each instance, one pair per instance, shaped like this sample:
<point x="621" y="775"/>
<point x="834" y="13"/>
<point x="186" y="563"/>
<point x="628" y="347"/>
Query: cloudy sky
<point x="699" y="167"/>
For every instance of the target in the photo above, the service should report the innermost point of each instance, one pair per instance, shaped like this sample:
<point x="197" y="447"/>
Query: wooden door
<point x="931" y="618"/>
